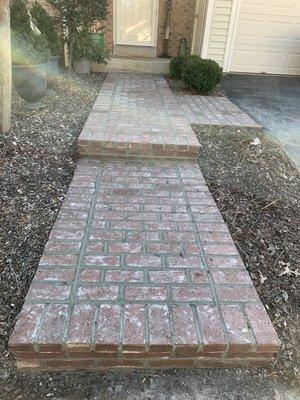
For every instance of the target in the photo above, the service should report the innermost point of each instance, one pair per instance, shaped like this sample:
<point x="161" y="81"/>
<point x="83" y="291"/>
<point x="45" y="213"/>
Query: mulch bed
<point x="178" y="87"/>
<point x="257" y="188"/>
<point x="37" y="162"/>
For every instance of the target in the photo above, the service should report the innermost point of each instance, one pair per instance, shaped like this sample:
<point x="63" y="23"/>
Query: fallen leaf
<point x="262" y="278"/>
<point x="277" y="395"/>
<point x="256" y="142"/>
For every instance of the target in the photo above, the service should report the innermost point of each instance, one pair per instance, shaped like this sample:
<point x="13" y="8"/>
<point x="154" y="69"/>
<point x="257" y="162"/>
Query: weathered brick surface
<point x="136" y="116"/>
<point x="131" y="278"/>
<point x="216" y="111"/>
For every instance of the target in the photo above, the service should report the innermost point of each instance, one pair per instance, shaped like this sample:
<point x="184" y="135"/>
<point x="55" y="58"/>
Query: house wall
<point x="182" y="23"/>
<point x="108" y="28"/>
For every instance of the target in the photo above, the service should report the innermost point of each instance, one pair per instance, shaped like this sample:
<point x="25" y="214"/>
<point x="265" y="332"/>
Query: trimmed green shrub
<point x="86" y="47"/>
<point x="193" y="58"/>
<point x="28" y="49"/>
<point x="19" y="17"/>
<point x="45" y="24"/>
<point x="75" y="14"/>
<point x="201" y="75"/>
<point x="176" y="65"/>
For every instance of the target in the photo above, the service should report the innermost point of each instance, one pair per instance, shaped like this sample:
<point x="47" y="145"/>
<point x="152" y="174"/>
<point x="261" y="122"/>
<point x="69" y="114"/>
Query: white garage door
<point x="267" y="37"/>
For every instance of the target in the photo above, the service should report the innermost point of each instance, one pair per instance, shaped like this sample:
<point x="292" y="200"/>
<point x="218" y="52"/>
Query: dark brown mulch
<point x="257" y="189"/>
<point x="37" y="161"/>
<point x="178" y="87"/>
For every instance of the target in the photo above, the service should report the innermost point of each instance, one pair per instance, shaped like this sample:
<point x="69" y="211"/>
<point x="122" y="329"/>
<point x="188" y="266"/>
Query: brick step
<point x="137" y="116"/>
<point x="140" y="271"/>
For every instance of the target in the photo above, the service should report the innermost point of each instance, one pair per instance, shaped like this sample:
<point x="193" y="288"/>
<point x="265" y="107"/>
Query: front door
<point x="136" y="22"/>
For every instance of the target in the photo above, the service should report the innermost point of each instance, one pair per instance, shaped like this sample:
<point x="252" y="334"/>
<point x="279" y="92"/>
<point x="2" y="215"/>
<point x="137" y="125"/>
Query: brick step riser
<point x="137" y="117"/>
<point x="93" y="151"/>
<point x="104" y="364"/>
<point x="21" y="356"/>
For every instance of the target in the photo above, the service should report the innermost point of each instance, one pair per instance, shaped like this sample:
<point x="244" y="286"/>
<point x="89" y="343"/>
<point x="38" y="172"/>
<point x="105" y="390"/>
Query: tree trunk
<point x="5" y="67"/>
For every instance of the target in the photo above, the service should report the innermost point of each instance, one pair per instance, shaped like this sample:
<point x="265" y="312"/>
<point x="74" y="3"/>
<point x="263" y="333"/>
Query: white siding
<point x="219" y="30"/>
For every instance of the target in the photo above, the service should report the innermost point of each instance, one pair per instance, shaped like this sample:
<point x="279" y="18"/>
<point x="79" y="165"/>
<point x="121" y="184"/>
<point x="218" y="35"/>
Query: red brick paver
<point x="137" y="116"/>
<point x="140" y="271"/>
<point x="215" y="111"/>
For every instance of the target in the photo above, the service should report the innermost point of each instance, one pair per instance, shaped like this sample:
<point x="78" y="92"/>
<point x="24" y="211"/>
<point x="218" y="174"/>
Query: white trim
<point x="154" y="27"/>
<point x="193" y="47"/>
<point x="114" y="20"/>
<point x="208" y="22"/>
<point x="235" y="10"/>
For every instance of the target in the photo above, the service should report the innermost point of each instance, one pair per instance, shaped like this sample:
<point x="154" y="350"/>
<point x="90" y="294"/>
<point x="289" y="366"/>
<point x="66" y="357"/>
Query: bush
<point x="86" y="47"/>
<point x="19" y="17"/>
<point x="46" y="26"/>
<point x="176" y="65"/>
<point x="76" y="14"/>
<point x="201" y="75"/>
<point x="28" y="49"/>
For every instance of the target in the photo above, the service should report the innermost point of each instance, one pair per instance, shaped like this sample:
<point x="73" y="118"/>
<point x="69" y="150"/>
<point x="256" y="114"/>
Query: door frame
<point x="155" y="12"/>
<point x="233" y="24"/>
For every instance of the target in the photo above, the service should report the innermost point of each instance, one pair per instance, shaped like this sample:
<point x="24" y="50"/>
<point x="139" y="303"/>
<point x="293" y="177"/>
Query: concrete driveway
<point x="274" y="102"/>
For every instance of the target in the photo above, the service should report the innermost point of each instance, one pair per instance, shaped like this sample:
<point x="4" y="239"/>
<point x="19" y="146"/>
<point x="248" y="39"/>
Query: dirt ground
<point x="178" y="87"/>
<point x="257" y="190"/>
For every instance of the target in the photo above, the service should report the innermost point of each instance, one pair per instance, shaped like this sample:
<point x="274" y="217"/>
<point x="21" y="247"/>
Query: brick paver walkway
<point x="216" y="111"/>
<point x="140" y="271"/>
<point x="137" y="116"/>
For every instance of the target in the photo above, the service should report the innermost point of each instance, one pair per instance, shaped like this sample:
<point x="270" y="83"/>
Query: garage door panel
<point x="257" y="5"/>
<point x="267" y="37"/>
<point x="271" y="59"/>
<point x="293" y="61"/>
<point x="288" y="5"/>
<point x="244" y="58"/>
<point x="280" y="31"/>
<point x="249" y="29"/>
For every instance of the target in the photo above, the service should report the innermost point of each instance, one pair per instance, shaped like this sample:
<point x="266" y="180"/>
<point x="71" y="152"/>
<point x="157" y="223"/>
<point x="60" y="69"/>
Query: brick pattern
<point x="140" y="271"/>
<point x="181" y="25"/>
<point x="213" y="110"/>
<point x="137" y="116"/>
